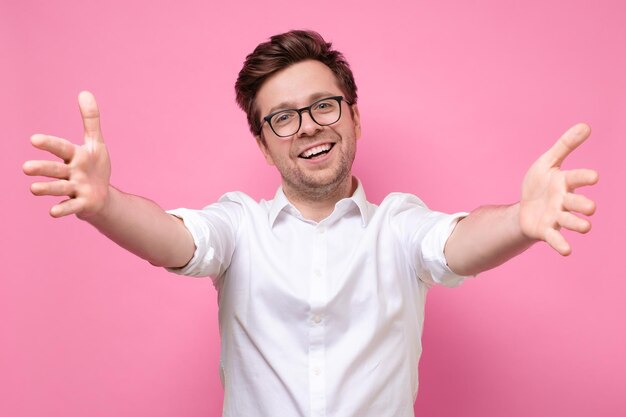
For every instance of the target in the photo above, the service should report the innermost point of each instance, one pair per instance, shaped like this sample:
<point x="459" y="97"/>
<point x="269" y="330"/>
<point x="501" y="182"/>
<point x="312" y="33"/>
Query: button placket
<point x="317" y="382"/>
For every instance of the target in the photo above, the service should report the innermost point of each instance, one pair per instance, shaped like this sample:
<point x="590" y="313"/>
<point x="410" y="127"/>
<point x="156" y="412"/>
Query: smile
<point x="317" y="151"/>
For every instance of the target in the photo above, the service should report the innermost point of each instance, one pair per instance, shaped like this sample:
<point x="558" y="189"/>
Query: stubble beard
<point x="313" y="188"/>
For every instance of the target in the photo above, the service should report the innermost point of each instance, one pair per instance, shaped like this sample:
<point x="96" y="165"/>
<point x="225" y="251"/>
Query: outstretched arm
<point x="82" y="176"/>
<point x="491" y="235"/>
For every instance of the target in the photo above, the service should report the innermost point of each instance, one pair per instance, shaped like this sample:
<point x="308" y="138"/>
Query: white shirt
<point x="320" y="319"/>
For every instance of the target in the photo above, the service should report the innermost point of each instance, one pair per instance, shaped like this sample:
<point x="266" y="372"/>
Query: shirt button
<point x="317" y="319"/>
<point x="317" y="273"/>
<point x="316" y="371"/>
<point x="321" y="230"/>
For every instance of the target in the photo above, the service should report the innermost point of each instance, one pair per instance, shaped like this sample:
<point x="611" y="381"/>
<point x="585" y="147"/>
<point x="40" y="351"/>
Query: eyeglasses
<point x="324" y="112"/>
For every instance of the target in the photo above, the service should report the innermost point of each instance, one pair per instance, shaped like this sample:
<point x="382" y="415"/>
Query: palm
<point x="548" y="199"/>
<point x="90" y="173"/>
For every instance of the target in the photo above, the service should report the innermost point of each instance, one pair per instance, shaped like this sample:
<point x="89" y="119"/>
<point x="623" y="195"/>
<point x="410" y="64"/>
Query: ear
<point x="260" y="141"/>
<point x="356" y="117"/>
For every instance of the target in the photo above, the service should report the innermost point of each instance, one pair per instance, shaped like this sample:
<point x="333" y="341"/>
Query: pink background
<point x="456" y="98"/>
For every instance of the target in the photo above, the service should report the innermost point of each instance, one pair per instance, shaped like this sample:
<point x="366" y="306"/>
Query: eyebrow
<point x="289" y="105"/>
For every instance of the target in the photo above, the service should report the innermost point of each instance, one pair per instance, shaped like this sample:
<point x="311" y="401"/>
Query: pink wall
<point x="457" y="98"/>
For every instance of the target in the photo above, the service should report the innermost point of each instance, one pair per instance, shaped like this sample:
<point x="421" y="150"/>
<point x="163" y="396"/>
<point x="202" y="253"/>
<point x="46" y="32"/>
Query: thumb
<point x="91" y="116"/>
<point x="566" y="144"/>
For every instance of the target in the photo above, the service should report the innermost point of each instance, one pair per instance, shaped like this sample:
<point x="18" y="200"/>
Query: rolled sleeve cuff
<point x="433" y="251"/>
<point x="200" y="260"/>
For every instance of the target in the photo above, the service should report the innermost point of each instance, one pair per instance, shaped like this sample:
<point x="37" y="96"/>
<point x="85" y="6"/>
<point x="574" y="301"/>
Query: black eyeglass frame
<point x="308" y="108"/>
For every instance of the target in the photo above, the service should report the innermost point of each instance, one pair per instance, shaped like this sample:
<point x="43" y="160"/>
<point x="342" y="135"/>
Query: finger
<point x="580" y="177"/>
<point x="91" y="116"/>
<point x="50" y="169"/>
<point x="61" y="187"/>
<point x="555" y="239"/>
<point x="574" y="223"/>
<point x="570" y="140"/>
<point x="66" y="207"/>
<point x="60" y="147"/>
<point x="579" y="203"/>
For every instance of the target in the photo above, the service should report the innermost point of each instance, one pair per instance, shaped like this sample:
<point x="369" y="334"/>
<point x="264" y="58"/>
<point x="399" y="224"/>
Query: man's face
<point x="295" y="87"/>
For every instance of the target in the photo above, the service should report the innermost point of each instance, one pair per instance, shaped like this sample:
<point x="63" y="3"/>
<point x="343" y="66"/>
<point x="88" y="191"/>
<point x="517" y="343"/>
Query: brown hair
<point x="280" y="52"/>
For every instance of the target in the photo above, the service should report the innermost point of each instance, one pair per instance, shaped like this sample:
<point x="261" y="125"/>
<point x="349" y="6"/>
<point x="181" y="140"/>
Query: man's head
<point x="280" y="52"/>
<point x="299" y="96"/>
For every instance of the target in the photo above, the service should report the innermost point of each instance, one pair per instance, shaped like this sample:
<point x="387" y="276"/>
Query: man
<point x="321" y="293"/>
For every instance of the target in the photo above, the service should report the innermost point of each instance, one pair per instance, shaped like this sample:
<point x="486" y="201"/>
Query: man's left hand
<point x="548" y="194"/>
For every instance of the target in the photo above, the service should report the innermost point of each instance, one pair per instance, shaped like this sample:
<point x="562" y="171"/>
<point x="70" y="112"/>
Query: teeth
<point x="316" y="150"/>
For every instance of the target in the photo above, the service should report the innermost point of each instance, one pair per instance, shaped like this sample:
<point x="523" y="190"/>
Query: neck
<point x="318" y="205"/>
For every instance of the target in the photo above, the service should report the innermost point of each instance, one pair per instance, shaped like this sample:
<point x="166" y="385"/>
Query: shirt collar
<point x="280" y="203"/>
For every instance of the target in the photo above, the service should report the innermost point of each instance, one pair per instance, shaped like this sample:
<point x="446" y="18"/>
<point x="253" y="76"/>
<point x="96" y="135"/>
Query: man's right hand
<point x="84" y="172"/>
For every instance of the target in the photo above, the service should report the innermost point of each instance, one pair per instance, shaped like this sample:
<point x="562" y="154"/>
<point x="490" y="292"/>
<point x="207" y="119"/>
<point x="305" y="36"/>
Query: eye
<point x="325" y="106"/>
<point x="283" y="118"/>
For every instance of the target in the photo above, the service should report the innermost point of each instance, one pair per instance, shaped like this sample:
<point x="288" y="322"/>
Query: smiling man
<point x="321" y="293"/>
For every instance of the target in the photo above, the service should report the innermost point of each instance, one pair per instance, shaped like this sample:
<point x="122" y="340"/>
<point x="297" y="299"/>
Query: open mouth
<point x="317" y="151"/>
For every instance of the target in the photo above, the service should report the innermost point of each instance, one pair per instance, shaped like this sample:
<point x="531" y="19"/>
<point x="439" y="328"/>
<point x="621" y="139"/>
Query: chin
<point x="323" y="185"/>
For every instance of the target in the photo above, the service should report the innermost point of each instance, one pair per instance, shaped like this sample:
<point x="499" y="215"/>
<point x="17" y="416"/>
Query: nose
<point x="308" y="126"/>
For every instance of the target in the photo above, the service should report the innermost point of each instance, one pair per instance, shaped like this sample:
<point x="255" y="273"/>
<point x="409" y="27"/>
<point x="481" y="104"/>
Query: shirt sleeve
<point x="424" y="233"/>
<point x="214" y="231"/>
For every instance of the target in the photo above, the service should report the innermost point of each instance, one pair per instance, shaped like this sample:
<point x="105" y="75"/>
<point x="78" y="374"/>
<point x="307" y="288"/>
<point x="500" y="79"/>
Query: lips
<point x="316" y="151"/>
